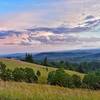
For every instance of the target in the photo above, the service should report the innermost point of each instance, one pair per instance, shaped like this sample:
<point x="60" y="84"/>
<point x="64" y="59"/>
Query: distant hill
<point x="73" y="56"/>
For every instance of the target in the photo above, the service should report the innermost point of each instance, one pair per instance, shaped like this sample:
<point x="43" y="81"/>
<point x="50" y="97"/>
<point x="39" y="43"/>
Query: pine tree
<point x="29" y="58"/>
<point x="45" y="63"/>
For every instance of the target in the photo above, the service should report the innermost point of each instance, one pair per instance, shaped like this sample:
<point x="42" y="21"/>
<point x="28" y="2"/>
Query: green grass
<point x="10" y="63"/>
<point x="24" y="91"/>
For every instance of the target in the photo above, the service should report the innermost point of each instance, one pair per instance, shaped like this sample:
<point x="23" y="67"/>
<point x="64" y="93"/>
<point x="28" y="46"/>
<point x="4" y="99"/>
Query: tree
<point x="45" y="62"/>
<point x="60" y="77"/>
<point x="26" y="75"/>
<point x="19" y="74"/>
<point x="29" y="58"/>
<point x="62" y="64"/>
<point x="76" y="81"/>
<point x="38" y="73"/>
<point x="6" y="75"/>
<point x="2" y="67"/>
<point x="81" y="68"/>
<point x="51" y="78"/>
<point x="92" y="81"/>
<point x="30" y="76"/>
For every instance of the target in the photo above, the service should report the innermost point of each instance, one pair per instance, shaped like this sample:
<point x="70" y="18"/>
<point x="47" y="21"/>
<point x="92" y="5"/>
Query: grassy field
<point x="44" y="73"/>
<point x="24" y="91"/>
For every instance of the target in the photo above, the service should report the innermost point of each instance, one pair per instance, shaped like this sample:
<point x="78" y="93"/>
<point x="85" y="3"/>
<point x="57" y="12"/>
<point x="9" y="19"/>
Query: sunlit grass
<point x="24" y="91"/>
<point x="10" y="63"/>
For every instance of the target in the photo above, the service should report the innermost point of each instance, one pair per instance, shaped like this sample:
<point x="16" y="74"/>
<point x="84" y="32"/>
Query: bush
<point x="92" y="81"/>
<point x="18" y="74"/>
<point x="30" y="76"/>
<point x="2" y="67"/>
<point x="76" y="81"/>
<point x="26" y="75"/>
<point x="6" y="75"/>
<point x="60" y="77"/>
<point x="38" y="73"/>
<point x="51" y="78"/>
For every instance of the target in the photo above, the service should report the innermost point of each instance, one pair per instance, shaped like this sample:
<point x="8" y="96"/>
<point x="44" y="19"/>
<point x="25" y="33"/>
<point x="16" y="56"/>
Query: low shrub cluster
<point x="61" y="78"/>
<point x="92" y="80"/>
<point x="18" y="74"/>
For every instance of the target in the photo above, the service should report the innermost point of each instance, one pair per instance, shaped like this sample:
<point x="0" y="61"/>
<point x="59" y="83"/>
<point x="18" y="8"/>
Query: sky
<point x="49" y="25"/>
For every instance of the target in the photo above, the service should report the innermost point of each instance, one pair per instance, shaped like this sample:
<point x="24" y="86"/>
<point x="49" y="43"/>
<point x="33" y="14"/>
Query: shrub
<point x="76" y="81"/>
<point x="30" y="76"/>
<point x="38" y="73"/>
<point x="6" y="75"/>
<point x="60" y="77"/>
<point x="2" y="67"/>
<point x="18" y="74"/>
<point x="27" y="75"/>
<point x="92" y="81"/>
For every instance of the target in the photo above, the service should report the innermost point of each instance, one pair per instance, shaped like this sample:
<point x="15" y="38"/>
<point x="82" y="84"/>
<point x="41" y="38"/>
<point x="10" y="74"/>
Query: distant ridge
<point x="72" y="55"/>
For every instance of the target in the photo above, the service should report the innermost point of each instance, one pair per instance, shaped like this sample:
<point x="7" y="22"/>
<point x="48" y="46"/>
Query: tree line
<point x="61" y="78"/>
<point x="83" y="67"/>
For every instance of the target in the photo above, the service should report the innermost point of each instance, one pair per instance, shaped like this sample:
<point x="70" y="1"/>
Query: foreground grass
<point x="25" y="91"/>
<point x="11" y="63"/>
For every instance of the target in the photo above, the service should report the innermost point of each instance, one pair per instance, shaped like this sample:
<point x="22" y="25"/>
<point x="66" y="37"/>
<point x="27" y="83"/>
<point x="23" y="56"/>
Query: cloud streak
<point x="52" y="24"/>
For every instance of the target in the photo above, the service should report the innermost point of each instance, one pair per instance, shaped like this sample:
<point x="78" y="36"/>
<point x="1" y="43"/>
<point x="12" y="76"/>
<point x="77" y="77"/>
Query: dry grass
<point x="24" y="91"/>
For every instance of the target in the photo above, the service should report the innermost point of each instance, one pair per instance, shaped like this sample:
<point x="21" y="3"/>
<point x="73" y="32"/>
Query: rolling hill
<point x="72" y="56"/>
<point x="11" y="63"/>
<point x="27" y="91"/>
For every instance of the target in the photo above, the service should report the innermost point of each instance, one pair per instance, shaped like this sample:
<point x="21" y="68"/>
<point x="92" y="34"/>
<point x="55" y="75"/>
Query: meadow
<point x="11" y="64"/>
<point x="11" y="90"/>
<point x="24" y="91"/>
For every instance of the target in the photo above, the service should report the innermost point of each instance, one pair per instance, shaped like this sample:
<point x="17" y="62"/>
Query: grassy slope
<point x="16" y="63"/>
<point x="24" y="91"/>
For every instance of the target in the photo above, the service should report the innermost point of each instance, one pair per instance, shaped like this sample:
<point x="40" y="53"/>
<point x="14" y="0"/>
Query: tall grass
<point x="24" y="91"/>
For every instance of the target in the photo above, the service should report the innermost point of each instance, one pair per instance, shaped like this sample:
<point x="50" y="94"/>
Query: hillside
<point x="24" y="91"/>
<point x="11" y="63"/>
<point x="10" y="90"/>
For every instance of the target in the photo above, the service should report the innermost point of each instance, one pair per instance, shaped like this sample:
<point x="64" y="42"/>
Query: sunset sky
<point x="49" y="25"/>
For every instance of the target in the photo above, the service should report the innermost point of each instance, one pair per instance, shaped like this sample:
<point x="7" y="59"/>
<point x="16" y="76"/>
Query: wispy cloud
<point x="44" y="24"/>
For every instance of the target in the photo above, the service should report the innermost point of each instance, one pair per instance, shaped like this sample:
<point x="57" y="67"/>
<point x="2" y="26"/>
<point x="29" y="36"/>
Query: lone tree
<point x="38" y="73"/>
<point x="2" y="67"/>
<point x="76" y="81"/>
<point x="29" y="58"/>
<point x="45" y="62"/>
